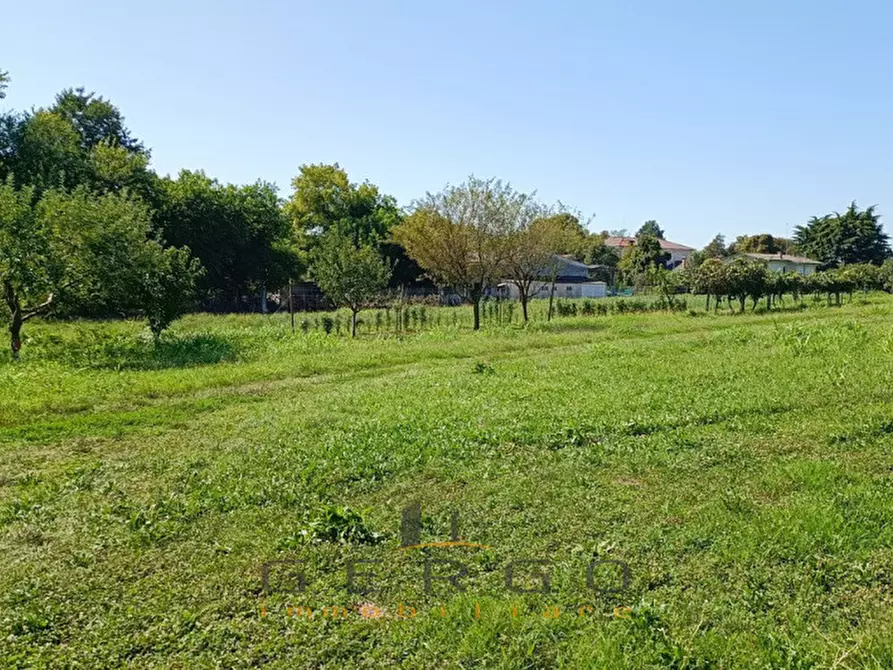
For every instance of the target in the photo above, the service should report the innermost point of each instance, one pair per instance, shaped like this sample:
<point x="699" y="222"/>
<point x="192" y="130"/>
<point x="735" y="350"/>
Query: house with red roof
<point x="678" y="252"/>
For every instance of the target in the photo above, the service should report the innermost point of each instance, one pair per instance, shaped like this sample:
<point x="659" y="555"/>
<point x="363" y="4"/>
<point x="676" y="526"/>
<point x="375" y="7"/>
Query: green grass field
<point x="740" y="465"/>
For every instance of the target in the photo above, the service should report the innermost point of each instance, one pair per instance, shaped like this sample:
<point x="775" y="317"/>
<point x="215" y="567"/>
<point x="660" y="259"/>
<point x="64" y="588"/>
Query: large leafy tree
<point x="324" y="199"/>
<point x="350" y="276"/>
<point x="716" y="248"/>
<point x="79" y="141"/>
<point x="238" y="232"/>
<point x="95" y="119"/>
<point x="61" y="248"/>
<point x="42" y="149"/>
<point x="856" y="236"/>
<point x="646" y="252"/>
<point x="763" y="243"/>
<point x="458" y="236"/>
<point x="651" y="227"/>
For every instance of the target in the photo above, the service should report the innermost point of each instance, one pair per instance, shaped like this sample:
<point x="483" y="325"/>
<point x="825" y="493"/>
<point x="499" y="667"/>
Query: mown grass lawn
<point x="741" y="466"/>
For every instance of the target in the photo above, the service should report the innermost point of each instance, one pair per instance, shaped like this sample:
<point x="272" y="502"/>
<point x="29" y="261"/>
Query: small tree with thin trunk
<point x="458" y="236"/>
<point x="532" y="260"/>
<point x="351" y="276"/>
<point x="529" y="248"/>
<point x="557" y="234"/>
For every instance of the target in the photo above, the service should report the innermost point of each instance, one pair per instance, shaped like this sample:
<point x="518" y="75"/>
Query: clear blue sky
<point x="733" y="116"/>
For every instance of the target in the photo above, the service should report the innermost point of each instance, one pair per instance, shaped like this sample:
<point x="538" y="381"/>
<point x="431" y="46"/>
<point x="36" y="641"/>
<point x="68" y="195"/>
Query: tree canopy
<point x="62" y="249"/>
<point x="716" y="248"/>
<point x="650" y="227"/>
<point x="239" y="233"/>
<point x="532" y="241"/>
<point x="324" y="199"/>
<point x="80" y="141"/>
<point x="352" y="277"/>
<point x="645" y="253"/>
<point x="856" y="236"/>
<point x="95" y="119"/>
<point x="458" y="235"/>
<point x="763" y="243"/>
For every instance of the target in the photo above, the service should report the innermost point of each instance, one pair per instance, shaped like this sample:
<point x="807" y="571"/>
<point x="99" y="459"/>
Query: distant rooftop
<point x="620" y="242"/>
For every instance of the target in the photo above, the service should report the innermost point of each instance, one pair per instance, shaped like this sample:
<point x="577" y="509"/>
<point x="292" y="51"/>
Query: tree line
<point x="743" y="279"/>
<point x="87" y="228"/>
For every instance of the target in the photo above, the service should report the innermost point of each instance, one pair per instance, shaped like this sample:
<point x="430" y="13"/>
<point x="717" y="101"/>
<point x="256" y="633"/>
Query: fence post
<point x="291" y="306"/>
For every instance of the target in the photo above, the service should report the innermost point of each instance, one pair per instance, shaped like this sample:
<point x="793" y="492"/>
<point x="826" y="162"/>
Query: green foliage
<point x="459" y="236"/>
<point x="325" y="200"/>
<point x="533" y="242"/>
<point x="760" y="244"/>
<point x="885" y="275"/>
<point x="80" y="141"/>
<point x="77" y="250"/>
<point x="841" y="239"/>
<point x="239" y="233"/>
<point x="95" y="119"/>
<point x="481" y="368"/>
<point x="716" y="248"/>
<point x="168" y="286"/>
<point x="4" y="83"/>
<point x="349" y="276"/>
<point x="651" y="229"/>
<point x="645" y="253"/>
<point x="43" y="150"/>
<point x="595" y="252"/>
<point x="339" y="525"/>
<point x="744" y="278"/>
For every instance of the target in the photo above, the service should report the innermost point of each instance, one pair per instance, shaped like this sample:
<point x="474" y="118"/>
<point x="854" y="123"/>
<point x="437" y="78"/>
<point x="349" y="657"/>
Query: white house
<point x="572" y="281"/>
<point x="783" y="262"/>
<point x="678" y="252"/>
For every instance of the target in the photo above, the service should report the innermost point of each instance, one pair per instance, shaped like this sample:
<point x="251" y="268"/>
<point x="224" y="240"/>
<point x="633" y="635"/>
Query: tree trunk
<point x="16" y="319"/>
<point x="551" y="299"/>
<point x="15" y="334"/>
<point x="353" y="322"/>
<point x="524" y="305"/>
<point x="707" y="308"/>
<point x="476" y="293"/>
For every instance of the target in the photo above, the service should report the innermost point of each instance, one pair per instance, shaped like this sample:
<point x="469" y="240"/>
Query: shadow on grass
<point x="96" y="350"/>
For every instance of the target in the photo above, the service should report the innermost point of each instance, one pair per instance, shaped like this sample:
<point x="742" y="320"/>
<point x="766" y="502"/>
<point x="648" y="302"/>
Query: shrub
<point x="482" y="369"/>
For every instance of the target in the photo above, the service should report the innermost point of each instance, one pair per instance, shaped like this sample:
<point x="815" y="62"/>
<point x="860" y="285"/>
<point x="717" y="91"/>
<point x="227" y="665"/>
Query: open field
<point x="741" y="466"/>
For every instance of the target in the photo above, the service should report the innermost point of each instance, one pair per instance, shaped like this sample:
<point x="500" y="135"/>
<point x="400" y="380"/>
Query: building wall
<point x="789" y="266"/>
<point x="562" y="290"/>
